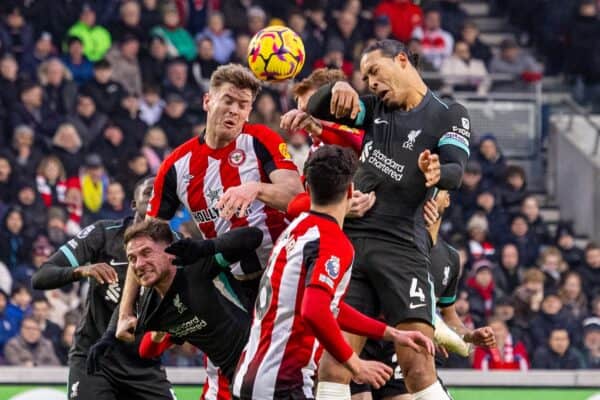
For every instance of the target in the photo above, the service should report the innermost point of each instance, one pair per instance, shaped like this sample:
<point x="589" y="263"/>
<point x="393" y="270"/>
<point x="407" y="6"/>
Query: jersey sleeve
<point x="448" y="297"/>
<point x="319" y="106"/>
<point x="456" y="131"/>
<point x="84" y="248"/>
<point x="164" y="201"/>
<point x="346" y="136"/>
<point x="270" y="149"/>
<point x="326" y="263"/>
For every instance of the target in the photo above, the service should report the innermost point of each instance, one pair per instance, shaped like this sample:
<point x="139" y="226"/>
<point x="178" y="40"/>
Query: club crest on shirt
<point x="237" y="157"/>
<point x="332" y="266"/>
<point x="446" y="275"/>
<point x="284" y="151"/>
<point x="412" y="138"/>
<point x="178" y="304"/>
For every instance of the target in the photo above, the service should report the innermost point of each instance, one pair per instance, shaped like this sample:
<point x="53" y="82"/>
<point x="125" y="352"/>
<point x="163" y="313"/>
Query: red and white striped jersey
<point x="216" y="385"/>
<point x="196" y="176"/>
<point x="281" y="354"/>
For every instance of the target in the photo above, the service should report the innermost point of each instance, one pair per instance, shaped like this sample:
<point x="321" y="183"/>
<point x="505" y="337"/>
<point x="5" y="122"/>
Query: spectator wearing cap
<point x="482" y="291"/>
<point x="15" y="247"/>
<point x="30" y="348"/>
<point x="175" y="121"/>
<point x="94" y="183"/>
<point x="204" y="64"/>
<point x="572" y="296"/>
<point x="558" y="353"/>
<point x="509" y="353"/>
<point x="88" y="121"/>
<point x="95" y="38"/>
<point x="34" y="210"/>
<point x="334" y="58"/>
<point x="466" y="195"/>
<point x="514" y="188"/>
<point x="591" y="342"/>
<point x="106" y="92"/>
<point x="25" y="155"/>
<point x="404" y="17"/>
<point x="531" y="209"/>
<point x="508" y="274"/>
<point x="486" y="201"/>
<point x="8" y="325"/>
<point x="129" y="23"/>
<point x="67" y="145"/>
<point x="437" y="43"/>
<point x="565" y="241"/>
<point x="463" y="72"/>
<point x="16" y="35"/>
<point x="151" y="105"/>
<point x="524" y="239"/>
<point x="553" y="266"/>
<point x="34" y="112"/>
<point x="81" y="68"/>
<point x="42" y="51"/>
<point x="153" y="63"/>
<point x="178" y="81"/>
<point x="179" y="42"/>
<point x="478" y="49"/>
<point x="491" y="159"/>
<point x="60" y="92"/>
<point x="125" y="66"/>
<point x="382" y="28"/>
<point x="112" y="147"/>
<point x="222" y="39"/>
<point x="8" y="180"/>
<point x="114" y="207"/>
<point x="513" y="60"/>
<point x="590" y="270"/>
<point x="552" y="315"/>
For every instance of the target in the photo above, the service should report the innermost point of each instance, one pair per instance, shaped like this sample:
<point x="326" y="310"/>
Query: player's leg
<point x="418" y="369"/>
<point x="81" y="386"/>
<point x="395" y="388"/>
<point x="148" y="384"/>
<point x="216" y="385"/>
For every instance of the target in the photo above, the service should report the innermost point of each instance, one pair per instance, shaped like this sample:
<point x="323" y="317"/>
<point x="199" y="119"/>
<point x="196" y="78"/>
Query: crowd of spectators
<point x="94" y="95"/>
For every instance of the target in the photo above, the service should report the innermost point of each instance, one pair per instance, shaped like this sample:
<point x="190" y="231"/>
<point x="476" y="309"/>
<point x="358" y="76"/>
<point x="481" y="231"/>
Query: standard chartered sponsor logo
<point x="193" y="325"/>
<point x="386" y="165"/>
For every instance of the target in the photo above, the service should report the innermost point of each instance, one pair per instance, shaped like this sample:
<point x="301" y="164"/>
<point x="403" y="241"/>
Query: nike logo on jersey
<point x="413" y="306"/>
<point x="114" y="263"/>
<point x="378" y="121"/>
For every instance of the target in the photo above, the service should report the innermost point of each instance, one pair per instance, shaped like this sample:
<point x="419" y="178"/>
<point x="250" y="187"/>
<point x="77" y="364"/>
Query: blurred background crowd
<point x="94" y="95"/>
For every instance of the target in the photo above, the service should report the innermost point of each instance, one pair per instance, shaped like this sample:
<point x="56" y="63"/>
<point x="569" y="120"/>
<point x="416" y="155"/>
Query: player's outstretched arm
<point x="337" y="102"/>
<point x="483" y="336"/>
<point x="127" y="320"/>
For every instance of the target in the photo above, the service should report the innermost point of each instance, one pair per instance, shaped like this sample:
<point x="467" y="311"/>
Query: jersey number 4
<point x="416" y="291"/>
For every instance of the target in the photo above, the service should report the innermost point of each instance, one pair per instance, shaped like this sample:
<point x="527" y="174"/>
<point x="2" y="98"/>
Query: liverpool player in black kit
<point x="97" y="253"/>
<point x="413" y="141"/>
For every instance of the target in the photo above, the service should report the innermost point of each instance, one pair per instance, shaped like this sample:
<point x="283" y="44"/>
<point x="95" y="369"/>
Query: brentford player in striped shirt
<point x="236" y="174"/>
<point x="301" y="295"/>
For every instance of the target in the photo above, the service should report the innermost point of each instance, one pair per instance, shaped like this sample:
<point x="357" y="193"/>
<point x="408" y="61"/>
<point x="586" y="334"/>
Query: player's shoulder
<point x="261" y="132"/>
<point x="99" y="228"/>
<point x="182" y="150"/>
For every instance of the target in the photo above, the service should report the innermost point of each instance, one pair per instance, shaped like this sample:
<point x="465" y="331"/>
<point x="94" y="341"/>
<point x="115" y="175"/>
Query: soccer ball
<point x="276" y="53"/>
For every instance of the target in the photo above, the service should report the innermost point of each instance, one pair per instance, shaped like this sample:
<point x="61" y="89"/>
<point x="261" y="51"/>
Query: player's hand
<point x="126" y="328"/>
<point x="413" y="339"/>
<point x="157" y="336"/>
<point x="101" y="272"/>
<point x="98" y="350"/>
<point x="439" y="349"/>
<point x="360" y="203"/>
<point x="430" y="212"/>
<point x="373" y="373"/>
<point x="188" y="251"/>
<point x="344" y="101"/>
<point x="483" y="337"/>
<point x="237" y="199"/>
<point x="430" y="165"/>
<point x="294" y="120"/>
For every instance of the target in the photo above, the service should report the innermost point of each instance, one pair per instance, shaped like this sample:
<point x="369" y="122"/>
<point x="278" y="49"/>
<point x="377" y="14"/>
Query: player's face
<point x="142" y="197"/>
<point x="386" y="77"/>
<point x="148" y="260"/>
<point x="227" y="109"/>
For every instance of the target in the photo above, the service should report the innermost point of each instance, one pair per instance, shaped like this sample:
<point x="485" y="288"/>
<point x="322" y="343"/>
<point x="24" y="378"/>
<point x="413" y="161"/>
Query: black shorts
<point x="391" y="279"/>
<point x="385" y="353"/>
<point x="116" y="381"/>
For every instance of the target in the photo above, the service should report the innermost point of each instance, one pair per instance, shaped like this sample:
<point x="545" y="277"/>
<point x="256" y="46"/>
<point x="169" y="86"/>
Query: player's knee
<point x="332" y="371"/>
<point x="419" y="373"/>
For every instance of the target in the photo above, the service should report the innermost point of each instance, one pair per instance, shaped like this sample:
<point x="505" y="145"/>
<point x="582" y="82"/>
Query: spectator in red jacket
<point x="508" y="353"/>
<point x="404" y="17"/>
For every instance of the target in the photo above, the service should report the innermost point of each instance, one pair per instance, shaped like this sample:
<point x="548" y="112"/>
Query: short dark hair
<point x="316" y="79"/>
<point x="236" y="74"/>
<point x="592" y="246"/>
<point x="102" y="64"/>
<point x="391" y="48"/>
<point x="155" y="229"/>
<point x="328" y="172"/>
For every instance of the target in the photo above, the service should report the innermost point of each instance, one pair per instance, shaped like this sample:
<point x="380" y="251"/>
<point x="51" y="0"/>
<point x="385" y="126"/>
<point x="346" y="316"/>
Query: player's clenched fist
<point x="344" y="101"/>
<point x="126" y="328"/>
<point x="237" y="199"/>
<point x="482" y="337"/>
<point x="101" y="272"/>
<point x="429" y="164"/>
<point x="294" y="120"/>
